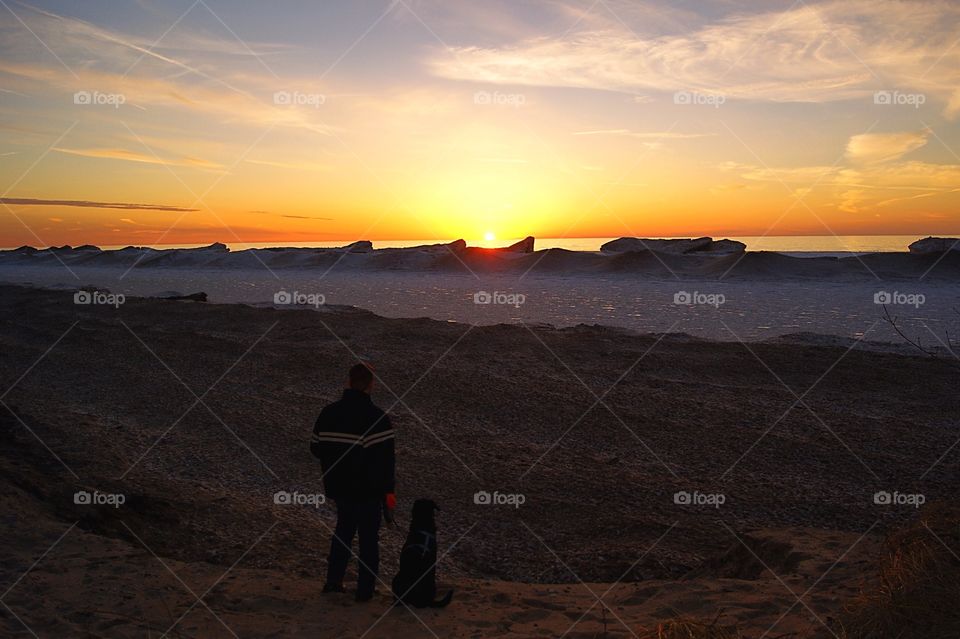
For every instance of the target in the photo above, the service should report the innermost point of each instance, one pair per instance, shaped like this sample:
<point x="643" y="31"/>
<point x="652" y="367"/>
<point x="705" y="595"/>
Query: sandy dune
<point x="113" y="407"/>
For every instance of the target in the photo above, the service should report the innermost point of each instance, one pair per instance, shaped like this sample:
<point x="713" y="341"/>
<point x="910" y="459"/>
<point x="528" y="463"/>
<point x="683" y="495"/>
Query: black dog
<point x="416" y="583"/>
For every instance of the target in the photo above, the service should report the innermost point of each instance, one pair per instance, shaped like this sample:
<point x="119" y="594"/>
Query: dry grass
<point x="917" y="591"/>
<point x="682" y="628"/>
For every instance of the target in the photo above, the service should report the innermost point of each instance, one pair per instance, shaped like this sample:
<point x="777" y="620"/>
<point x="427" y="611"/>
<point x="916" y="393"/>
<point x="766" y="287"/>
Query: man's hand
<point x="389" y="505"/>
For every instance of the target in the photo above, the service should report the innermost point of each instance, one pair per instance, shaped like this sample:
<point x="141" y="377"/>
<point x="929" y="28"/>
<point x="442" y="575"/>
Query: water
<point x="746" y="310"/>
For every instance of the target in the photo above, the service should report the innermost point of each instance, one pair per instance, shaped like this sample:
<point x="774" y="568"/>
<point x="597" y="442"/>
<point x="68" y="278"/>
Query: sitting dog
<point x="416" y="583"/>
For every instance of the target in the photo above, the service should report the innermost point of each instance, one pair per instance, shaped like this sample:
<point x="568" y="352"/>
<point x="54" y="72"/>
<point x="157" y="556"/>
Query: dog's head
<point x="421" y="518"/>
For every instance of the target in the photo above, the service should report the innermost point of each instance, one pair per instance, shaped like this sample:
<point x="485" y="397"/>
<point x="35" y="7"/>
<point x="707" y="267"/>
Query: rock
<point x="935" y="245"/>
<point x="679" y="246"/>
<point x="726" y="247"/>
<point x="456" y="246"/>
<point x="361" y="246"/>
<point x="216" y="247"/>
<point x="700" y="245"/>
<point x="523" y="246"/>
<point x="192" y="297"/>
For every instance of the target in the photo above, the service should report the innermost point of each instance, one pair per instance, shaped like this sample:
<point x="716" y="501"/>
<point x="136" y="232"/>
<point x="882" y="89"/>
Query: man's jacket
<point x="354" y="441"/>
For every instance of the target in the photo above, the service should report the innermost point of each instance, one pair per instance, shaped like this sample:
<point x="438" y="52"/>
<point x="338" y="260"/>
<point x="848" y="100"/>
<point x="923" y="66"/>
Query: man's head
<point x="361" y="378"/>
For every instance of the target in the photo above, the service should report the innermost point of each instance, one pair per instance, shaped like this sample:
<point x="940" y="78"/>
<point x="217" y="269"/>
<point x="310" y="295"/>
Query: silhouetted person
<point x="354" y="441"/>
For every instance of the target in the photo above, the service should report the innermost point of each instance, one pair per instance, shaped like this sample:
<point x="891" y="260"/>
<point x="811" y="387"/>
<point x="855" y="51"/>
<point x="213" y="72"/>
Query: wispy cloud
<point x="293" y="217"/>
<point x="186" y="70"/>
<point x="832" y="50"/>
<point x="876" y="177"/>
<point x="135" y="156"/>
<point x="875" y="148"/>
<point x="29" y="201"/>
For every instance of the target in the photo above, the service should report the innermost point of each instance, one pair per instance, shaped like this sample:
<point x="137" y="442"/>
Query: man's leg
<point x="340" y="544"/>
<point x="368" y="526"/>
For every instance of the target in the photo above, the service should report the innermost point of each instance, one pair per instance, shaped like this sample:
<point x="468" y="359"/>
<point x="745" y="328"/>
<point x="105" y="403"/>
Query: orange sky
<point x="234" y="122"/>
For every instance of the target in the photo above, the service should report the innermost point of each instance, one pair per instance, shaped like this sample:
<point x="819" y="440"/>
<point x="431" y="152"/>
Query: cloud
<point x="172" y="74"/>
<point x="292" y="217"/>
<point x="132" y="50"/>
<point x="876" y="148"/>
<point x="29" y="201"/>
<point x="953" y="105"/>
<point x="788" y="175"/>
<point x="134" y="156"/>
<point x="851" y="200"/>
<point x="866" y="185"/>
<point x="832" y="50"/>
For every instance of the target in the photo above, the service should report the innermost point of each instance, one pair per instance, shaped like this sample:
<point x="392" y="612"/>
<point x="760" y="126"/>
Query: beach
<point x="689" y="477"/>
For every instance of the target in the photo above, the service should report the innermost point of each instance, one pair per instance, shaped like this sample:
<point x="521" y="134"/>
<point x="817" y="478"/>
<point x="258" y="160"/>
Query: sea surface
<point x="725" y="310"/>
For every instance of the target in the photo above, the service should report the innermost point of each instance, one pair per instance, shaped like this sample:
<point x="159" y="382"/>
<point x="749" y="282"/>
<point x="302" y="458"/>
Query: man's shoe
<point x="363" y="597"/>
<point x="333" y="588"/>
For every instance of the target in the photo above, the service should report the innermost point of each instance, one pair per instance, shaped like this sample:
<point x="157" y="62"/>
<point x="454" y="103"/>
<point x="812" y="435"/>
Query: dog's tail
<point x="444" y="602"/>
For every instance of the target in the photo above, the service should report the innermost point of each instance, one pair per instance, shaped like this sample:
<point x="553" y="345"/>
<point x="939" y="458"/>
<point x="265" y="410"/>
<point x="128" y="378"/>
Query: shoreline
<point x="860" y="244"/>
<point x="697" y="258"/>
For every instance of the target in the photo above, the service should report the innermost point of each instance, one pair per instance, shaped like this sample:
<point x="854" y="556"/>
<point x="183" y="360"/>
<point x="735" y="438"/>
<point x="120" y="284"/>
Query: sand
<point x="101" y="398"/>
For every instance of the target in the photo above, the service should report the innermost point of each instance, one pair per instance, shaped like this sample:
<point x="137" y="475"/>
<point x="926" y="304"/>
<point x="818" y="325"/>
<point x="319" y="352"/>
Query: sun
<point x="489" y="236"/>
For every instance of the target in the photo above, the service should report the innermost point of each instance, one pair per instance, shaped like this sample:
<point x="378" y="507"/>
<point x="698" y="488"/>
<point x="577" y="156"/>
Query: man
<point x="354" y="441"/>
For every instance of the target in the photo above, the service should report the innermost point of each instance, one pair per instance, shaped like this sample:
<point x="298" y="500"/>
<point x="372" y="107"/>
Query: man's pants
<point x="363" y="519"/>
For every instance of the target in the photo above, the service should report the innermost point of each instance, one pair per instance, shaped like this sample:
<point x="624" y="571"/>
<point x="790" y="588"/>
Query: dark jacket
<point x="355" y="444"/>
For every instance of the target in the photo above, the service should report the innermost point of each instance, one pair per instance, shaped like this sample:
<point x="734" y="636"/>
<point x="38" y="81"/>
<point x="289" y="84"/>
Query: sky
<point x="178" y="122"/>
